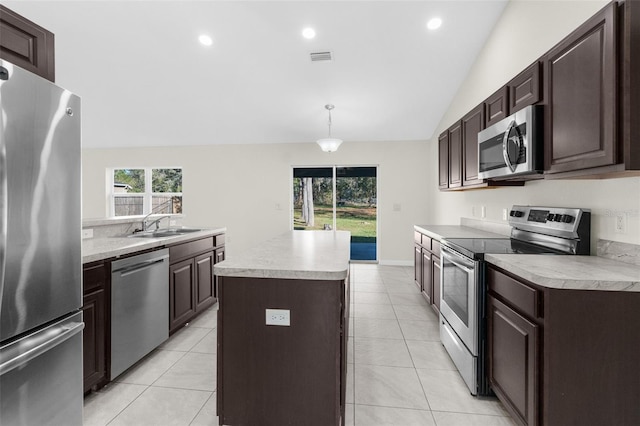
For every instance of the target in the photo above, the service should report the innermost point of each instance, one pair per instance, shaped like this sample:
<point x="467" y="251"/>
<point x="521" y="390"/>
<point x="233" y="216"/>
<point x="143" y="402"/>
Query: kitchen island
<point x="282" y="331"/>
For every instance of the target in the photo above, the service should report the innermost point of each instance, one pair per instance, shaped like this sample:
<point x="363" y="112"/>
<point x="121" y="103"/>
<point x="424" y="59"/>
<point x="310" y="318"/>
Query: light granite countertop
<point x="442" y="232"/>
<point x="306" y="255"/>
<point x="570" y="272"/>
<point x="94" y="249"/>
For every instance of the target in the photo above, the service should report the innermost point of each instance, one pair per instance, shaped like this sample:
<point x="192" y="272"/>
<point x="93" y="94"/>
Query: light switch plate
<point x="280" y="317"/>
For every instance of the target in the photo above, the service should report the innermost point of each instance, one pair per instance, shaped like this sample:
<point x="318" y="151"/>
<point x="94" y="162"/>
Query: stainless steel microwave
<point x="513" y="146"/>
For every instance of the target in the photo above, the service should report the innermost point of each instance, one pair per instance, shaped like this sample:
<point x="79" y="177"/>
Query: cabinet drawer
<point x="426" y="242"/>
<point x="94" y="277"/>
<point x="191" y="248"/>
<point x="218" y="240"/>
<point x="519" y="295"/>
<point x="417" y="237"/>
<point x="435" y="247"/>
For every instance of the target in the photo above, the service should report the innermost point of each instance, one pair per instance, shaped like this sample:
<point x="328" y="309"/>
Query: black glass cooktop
<point x="476" y="248"/>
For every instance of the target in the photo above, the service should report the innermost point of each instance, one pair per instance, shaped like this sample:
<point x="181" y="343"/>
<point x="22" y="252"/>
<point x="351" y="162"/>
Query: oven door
<point x="459" y="292"/>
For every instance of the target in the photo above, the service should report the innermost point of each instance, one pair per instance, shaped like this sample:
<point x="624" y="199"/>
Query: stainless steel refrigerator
<point x="40" y="252"/>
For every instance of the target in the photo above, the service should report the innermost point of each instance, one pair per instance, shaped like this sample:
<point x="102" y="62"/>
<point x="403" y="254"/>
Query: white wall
<point x="247" y="187"/>
<point x="527" y="30"/>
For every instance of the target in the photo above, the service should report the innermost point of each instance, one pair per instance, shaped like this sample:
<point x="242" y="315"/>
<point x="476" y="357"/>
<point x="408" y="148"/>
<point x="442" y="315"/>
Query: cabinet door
<point x="514" y="360"/>
<point x="427" y="280"/>
<point x="93" y="339"/>
<point x="443" y="160"/>
<point x="524" y="89"/>
<point x="182" y="300"/>
<point x="581" y="84"/>
<point x="26" y="44"/>
<point x="435" y="274"/>
<point x="455" y="155"/>
<point x="497" y="106"/>
<point x="417" y="266"/>
<point x="472" y="123"/>
<point x="205" y="294"/>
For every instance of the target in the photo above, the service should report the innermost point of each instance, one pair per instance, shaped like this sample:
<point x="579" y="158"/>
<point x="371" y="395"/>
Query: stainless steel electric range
<point x="534" y="230"/>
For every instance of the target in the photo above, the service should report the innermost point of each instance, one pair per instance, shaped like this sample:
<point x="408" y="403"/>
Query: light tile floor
<point x="398" y="372"/>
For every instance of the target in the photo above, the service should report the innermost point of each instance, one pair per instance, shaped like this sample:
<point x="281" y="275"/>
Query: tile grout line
<point x="128" y="405"/>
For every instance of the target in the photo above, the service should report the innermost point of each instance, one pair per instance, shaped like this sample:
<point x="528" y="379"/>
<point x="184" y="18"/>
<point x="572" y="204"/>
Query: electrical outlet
<point x="621" y="223"/>
<point x="172" y="222"/>
<point x="87" y="233"/>
<point x="483" y="211"/>
<point x="397" y="207"/>
<point x="504" y="214"/>
<point x="278" y="317"/>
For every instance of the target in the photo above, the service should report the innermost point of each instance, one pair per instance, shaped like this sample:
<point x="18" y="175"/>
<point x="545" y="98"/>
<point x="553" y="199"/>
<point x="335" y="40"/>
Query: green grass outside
<point x="361" y="221"/>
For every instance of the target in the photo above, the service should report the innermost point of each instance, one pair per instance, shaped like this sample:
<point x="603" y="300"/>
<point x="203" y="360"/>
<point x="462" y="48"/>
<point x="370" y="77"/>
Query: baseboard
<point x="396" y="263"/>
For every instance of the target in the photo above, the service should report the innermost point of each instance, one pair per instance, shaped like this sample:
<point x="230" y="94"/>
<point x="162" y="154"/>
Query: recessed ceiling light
<point x="434" y="23"/>
<point x="308" y="33"/>
<point x="205" y="40"/>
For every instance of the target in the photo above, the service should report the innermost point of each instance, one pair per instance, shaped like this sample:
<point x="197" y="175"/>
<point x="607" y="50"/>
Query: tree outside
<point x="355" y="205"/>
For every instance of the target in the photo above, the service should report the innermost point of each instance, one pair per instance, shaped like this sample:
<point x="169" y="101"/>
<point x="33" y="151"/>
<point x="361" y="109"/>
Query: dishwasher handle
<point x="125" y="270"/>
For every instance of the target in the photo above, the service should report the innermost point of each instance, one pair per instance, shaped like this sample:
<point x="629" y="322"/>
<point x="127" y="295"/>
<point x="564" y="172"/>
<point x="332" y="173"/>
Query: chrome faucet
<point x="146" y="226"/>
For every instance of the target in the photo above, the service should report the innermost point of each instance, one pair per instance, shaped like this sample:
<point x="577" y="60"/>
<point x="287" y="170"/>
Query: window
<point x="145" y="191"/>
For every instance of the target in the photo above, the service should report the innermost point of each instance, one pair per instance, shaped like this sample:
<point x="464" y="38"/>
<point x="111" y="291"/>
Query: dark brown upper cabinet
<point x="497" y="106"/>
<point x="472" y="123"/>
<point x="443" y="160"/>
<point x="26" y="44"/>
<point x="630" y="85"/>
<point x="525" y="88"/>
<point x="455" y="155"/>
<point x="580" y="84"/>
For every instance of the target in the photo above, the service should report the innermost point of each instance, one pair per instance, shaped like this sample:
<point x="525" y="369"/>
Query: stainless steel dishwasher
<point x="139" y="307"/>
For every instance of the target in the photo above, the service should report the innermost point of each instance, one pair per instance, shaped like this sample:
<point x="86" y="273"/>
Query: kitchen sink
<point x="163" y="233"/>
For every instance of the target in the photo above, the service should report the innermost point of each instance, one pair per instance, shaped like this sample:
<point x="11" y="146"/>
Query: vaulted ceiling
<point x="145" y="80"/>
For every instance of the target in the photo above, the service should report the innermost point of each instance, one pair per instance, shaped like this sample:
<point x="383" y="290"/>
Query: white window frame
<point x="146" y="196"/>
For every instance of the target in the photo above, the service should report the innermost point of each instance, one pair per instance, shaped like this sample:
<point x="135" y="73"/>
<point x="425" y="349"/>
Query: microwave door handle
<point x="505" y="146"/>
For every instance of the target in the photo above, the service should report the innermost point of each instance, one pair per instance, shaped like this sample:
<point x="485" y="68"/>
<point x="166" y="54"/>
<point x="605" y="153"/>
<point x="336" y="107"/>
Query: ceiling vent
<point x="321" y="56"/>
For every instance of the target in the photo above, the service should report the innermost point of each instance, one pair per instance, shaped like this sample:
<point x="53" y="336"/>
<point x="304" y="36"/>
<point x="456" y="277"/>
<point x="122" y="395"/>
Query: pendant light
<point x="329" y="144"/>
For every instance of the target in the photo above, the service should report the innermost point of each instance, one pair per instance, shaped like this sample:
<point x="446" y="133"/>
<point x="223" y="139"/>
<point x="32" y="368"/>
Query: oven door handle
<point x="457" y="259"/>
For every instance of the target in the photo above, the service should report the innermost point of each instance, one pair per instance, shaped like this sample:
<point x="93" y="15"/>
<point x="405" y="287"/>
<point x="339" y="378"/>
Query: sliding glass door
<point x="341" y="198"/>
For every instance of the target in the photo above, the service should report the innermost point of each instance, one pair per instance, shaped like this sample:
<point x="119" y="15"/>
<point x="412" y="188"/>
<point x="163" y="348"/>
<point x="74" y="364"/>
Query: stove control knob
<point x="550" y="217"/>
<point x="516" y="213"/>
<point x="567" y="218"/>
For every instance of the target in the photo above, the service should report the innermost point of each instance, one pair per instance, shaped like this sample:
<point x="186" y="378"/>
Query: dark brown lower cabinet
<point x="95" y="312"/>
<point x="427" y="276"/>
<point x="514" y="360"/>
<point x="192" y="285"/>
<point x="426" y="264"/>
<point x="182" y="303"/>
<point x="282" y="375"/>
<point x="562" y="356"/>
<point x="205" y="294"/>
<point x="417" y="266"/>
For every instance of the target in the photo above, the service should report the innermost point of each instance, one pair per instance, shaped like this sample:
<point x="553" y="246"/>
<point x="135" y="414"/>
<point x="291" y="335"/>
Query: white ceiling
<point x="146" y="81"/>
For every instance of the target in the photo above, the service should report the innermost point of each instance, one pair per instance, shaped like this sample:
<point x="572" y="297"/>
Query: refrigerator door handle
<point x="37" y="344"/>
<point x="4" y="203"/>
